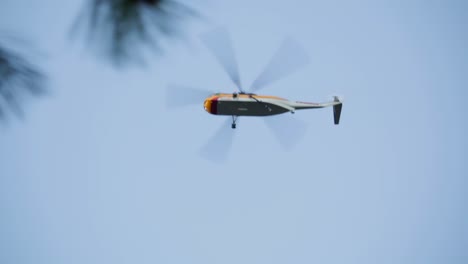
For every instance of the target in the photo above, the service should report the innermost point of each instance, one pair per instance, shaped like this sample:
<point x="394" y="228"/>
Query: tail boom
<point x="336" y="104"/>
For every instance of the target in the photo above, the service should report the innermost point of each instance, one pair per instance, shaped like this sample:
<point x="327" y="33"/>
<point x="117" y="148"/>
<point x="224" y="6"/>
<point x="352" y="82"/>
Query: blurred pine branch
<point x="19" y="79"/>
<point x="124" y="30"/>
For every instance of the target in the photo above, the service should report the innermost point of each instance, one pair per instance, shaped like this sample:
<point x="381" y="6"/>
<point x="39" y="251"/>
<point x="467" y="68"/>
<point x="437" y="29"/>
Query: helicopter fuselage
<point x="252" y="105"/>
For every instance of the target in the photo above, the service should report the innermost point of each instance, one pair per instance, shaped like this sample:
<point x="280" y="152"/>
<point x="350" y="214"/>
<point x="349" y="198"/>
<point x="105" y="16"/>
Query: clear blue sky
<point x="101" y="172"/>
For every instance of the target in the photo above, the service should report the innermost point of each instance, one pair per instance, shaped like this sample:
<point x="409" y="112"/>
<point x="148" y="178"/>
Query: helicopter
<point x="248" y="104"/>
<point x="288" y="59"/>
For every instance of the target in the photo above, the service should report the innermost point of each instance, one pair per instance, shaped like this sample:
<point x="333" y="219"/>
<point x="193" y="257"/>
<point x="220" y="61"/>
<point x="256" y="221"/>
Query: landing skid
<point x="234" y="119"/>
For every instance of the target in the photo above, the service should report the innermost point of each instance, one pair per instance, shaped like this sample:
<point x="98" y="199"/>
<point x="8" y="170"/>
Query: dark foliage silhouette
<point x="125" y="31"/>
<point x="19" y="79"/>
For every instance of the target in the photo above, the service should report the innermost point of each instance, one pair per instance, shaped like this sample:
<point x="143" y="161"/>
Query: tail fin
<point x="337" y="109"/>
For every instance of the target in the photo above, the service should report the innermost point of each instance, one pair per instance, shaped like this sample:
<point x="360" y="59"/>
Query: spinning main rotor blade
<point x="179" y="96"/>
<point x="219" y="145"/>
<point x="220" y="45"/>
<point x="287" y="130"/>
<point x="289" y="58"/>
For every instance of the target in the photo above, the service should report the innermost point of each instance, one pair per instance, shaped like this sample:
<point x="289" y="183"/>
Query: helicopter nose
<point x="210" y="105"/>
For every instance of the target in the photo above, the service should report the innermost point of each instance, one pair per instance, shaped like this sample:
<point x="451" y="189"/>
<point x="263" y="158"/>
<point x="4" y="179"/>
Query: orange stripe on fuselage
<point x="248" y="96"/>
